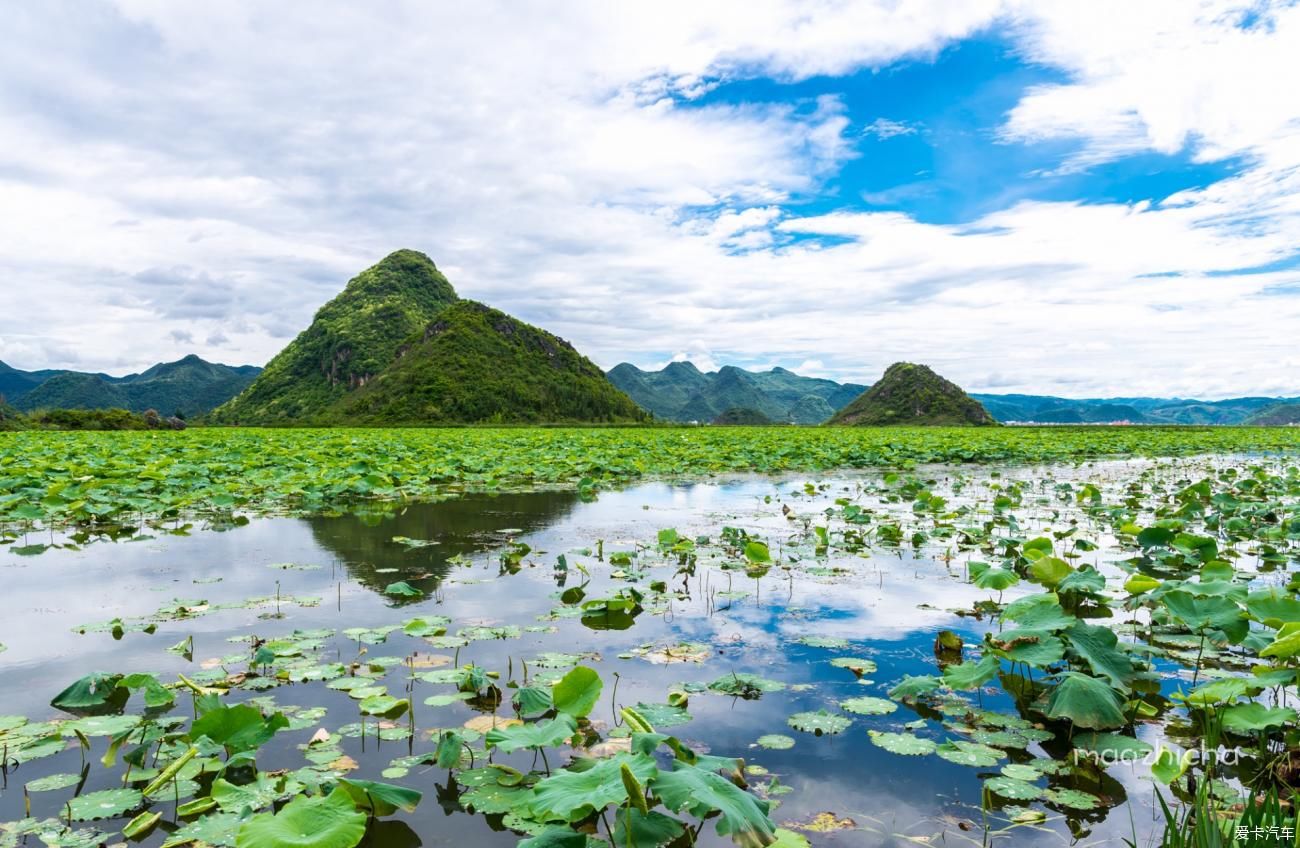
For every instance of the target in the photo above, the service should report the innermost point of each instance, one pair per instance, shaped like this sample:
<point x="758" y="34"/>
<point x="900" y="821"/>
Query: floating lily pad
<point x="868" y="706"/>
<point x="906" y="744"/>
<point x="819" y="723"/>
<point x="969" y="753"/>
<point x="1073" y="798"/>
<point x="1010" y="787"/>
<point x="105" y="804"/>
<point x="832" y="642"/>
<point x="775" y="742"/>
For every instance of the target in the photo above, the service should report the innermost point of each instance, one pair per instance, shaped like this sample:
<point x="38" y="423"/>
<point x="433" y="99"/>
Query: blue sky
<point x="1022" y="194"/>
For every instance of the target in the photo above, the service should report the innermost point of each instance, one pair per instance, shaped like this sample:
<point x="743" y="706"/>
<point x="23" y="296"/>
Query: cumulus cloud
<point x="220" y="171"/>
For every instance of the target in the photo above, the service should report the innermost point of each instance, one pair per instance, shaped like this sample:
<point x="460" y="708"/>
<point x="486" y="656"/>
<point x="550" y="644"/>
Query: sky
<point x="1081" y="199"/>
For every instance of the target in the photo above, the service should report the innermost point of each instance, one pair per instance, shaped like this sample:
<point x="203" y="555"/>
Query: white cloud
<point x="884" y="129"/>
<point x="221" y="170"/>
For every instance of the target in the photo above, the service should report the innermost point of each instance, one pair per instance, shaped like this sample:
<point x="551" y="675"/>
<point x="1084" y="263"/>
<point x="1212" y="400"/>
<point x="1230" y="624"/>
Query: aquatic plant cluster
<point x="103" y="479"/>
<point x="1113" y="617"/>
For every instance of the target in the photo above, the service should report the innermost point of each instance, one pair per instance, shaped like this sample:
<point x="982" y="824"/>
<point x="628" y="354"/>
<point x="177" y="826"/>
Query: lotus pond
<point x="1006" y="654"/>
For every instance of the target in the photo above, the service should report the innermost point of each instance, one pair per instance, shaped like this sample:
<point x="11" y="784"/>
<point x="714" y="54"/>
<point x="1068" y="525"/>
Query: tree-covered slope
<point x="662" y="392"/>
<point x="913" y="395"/>
<point x="739" y="416"/>
<point x="352" y="338"/>
<point x="190" y="386"/>
<point x="475" y="364"/>
<point x="681" y="392"/>
<point x="15" y="383"/>
<point x="1283" y="414"/>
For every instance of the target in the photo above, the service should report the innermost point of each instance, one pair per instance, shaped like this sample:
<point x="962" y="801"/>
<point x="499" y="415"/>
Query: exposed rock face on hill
<point x="913" y="395"/>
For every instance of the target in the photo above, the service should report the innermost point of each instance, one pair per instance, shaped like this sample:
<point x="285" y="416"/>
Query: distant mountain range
<point x="398" y="346"/>
<point x="1045" y="409"/>
<point x="190" y="386"/>
<point x="681" y="392"/>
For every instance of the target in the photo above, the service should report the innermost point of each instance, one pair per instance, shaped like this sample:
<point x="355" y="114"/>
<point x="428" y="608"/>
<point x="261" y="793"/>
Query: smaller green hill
<point x="474" y="364"/>
<point x="739" y="415"/>
<point x="913" y="395"/>
<point x="9" y="417"/>
<point x="1281" y="415"/>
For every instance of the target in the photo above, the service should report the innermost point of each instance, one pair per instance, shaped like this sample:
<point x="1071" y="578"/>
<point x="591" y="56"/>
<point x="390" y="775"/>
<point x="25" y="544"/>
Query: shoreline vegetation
<point x="99" y="478"/>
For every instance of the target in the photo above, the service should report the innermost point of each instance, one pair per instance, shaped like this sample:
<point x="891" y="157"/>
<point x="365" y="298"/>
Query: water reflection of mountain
<point x="471" y="524"/>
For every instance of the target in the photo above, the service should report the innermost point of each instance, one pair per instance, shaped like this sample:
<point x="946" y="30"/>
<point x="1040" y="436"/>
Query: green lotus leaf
<point x="105" y="804"/>
<point x="237" y="728"/>
<point x="662" y="715"/>
<point x="531" y="700"/>
<point x="704" y="793"/>
<point x="94" y="694"/>
<point x="903" y="743"/>
<point x="384" y="706"/>
<point x="246" y="798"/>
<point x="217" y="829"/>
<point x="650" y="829"/>
<point x="972" y="675"/>
<point x="52" y="782"/>
<point x="559" y="837"/>
<point x="1273" y="607"/>
<point x="1112" y="746"/>
<point x="546" y="734"/>
<point x="1049" y="571"/>
<point x="1016" y="790"/>
<point x="1254" y="716"/>
<point x="330" y="821"/>
<point x="833" y="642"/>
<point x="965" y="753"/>
<point x="1038" y="612"/>
<point x="1097" y="646"/>
<point x="996" y="579"/>
<point x="915" y="685"/>
<point x="1020" y="771"/>
<point x="868" y="706"/>
<point x="577" y="692"/>
<point x="1086" y="702"/>
<point x="819" y="723"/>
<point x="775" y="742"/>
<point x="402" y="589"/>
<point x="380" y="799"/>
<point x="573" y="795"/>
<point x="1205" y="614"/>
<point x="1038" y="648"/>
<point x="856" y="665"/>
<point x="743" y="685"/>
<point x="1075" y="799"/>
<point x="101" y="725"/>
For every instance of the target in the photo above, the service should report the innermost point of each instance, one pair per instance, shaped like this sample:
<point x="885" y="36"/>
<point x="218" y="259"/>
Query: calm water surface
<point x="889" y="606"/>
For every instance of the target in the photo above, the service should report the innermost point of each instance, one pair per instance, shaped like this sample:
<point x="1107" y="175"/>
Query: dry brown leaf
<point x="482" y="724"/>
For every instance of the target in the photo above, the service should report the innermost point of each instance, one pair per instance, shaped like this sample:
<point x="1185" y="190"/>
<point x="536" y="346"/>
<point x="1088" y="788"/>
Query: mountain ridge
<point x="681" y="392"/>
<point x="190" y="385"/>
